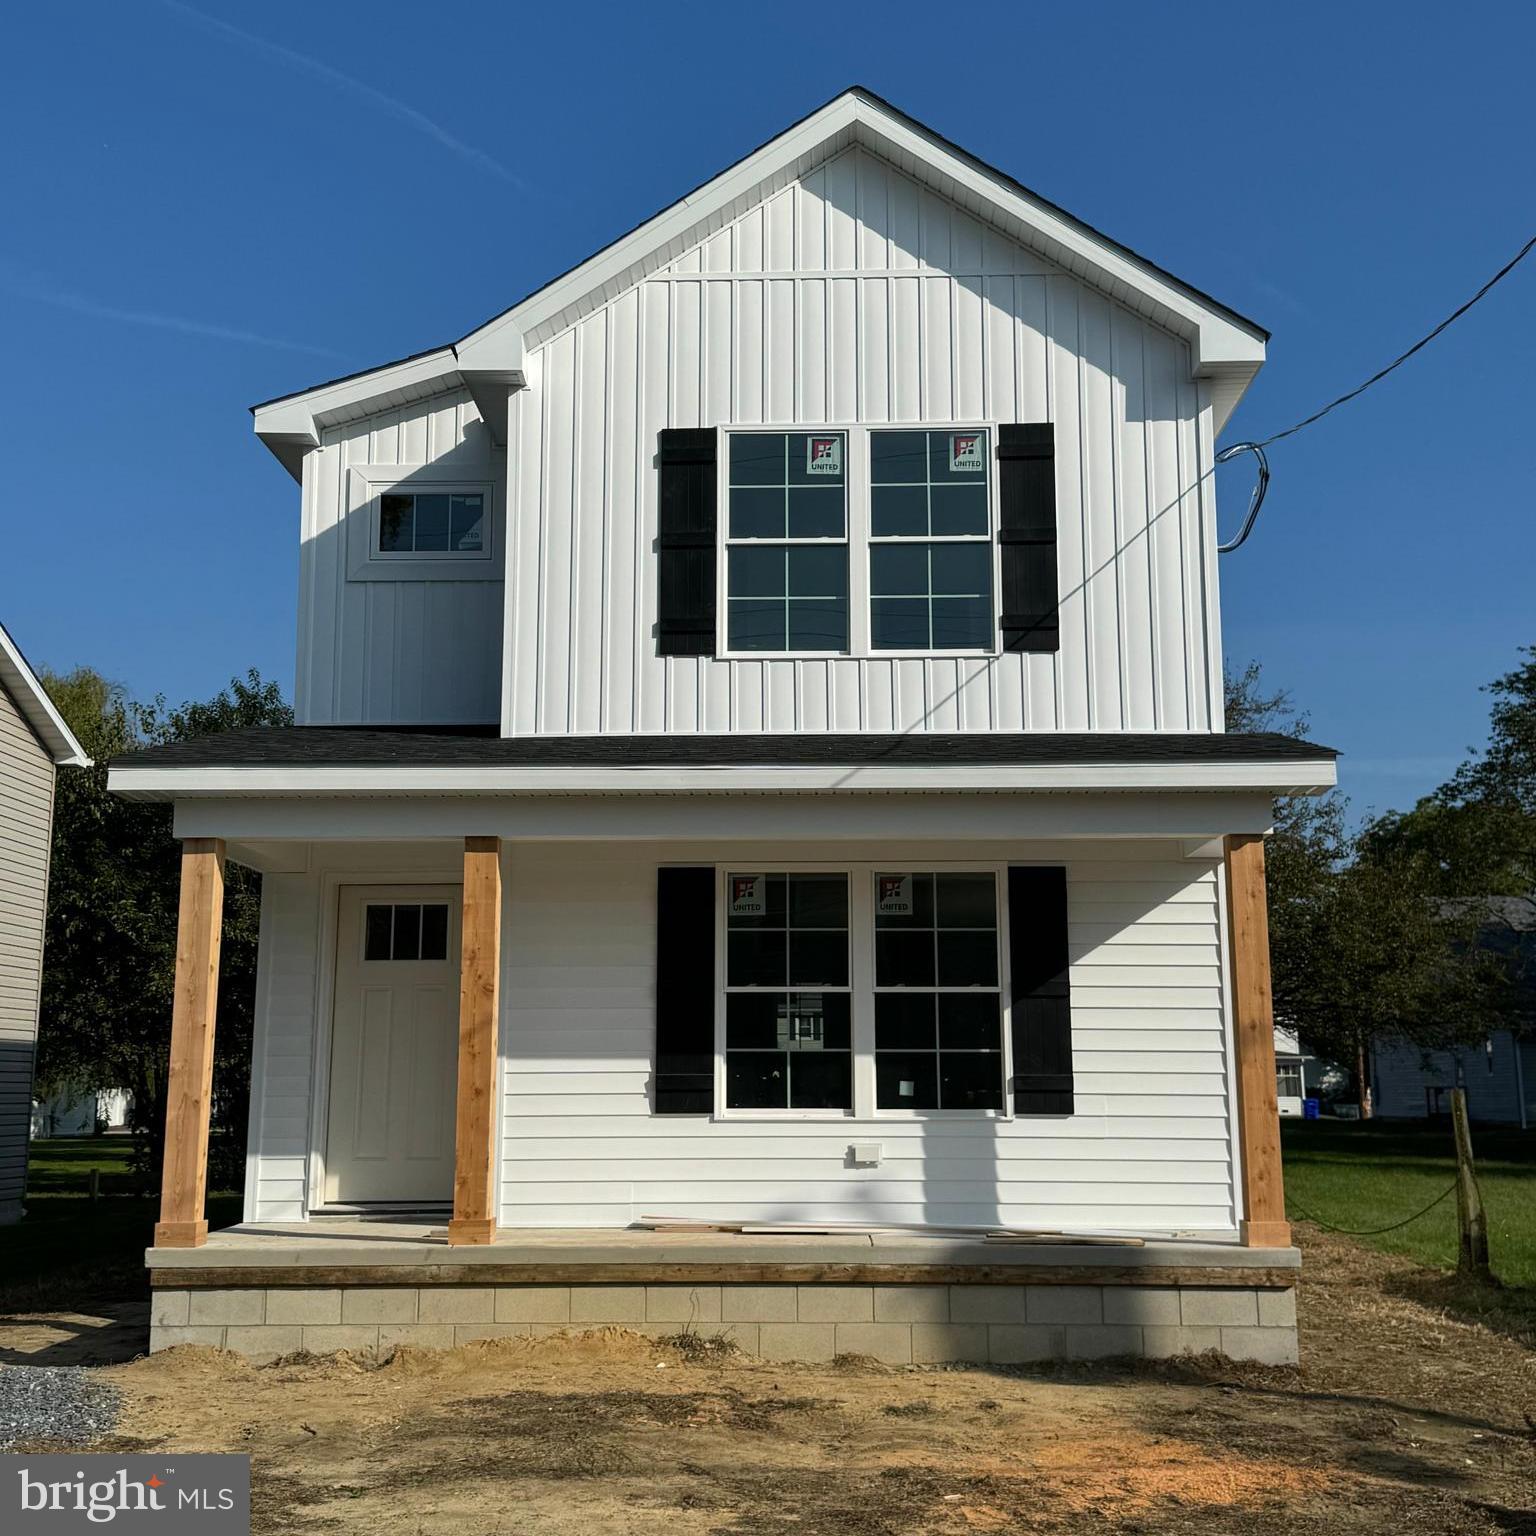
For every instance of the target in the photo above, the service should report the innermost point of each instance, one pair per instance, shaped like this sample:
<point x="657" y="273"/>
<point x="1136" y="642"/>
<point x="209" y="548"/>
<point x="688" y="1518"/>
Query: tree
<point x="1363" y="944"/>
<point x="112" y="906"/>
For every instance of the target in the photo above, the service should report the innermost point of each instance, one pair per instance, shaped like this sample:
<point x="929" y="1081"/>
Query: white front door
<point x="394" y="1046"/>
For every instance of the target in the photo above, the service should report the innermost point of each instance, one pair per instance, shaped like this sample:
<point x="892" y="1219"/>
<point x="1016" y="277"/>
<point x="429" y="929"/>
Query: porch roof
<point x="477" y="759"/>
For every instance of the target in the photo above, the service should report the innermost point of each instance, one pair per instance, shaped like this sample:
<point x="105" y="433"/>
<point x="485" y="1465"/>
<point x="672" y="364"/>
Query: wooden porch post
<point x="474" y="1220"/>
<point x="189" y="1092"/>
<point x="1253" y="1034"/>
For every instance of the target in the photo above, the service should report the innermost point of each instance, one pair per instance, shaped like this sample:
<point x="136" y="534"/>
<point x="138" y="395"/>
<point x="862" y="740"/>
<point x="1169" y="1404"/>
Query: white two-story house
<point x="759" y="760"/>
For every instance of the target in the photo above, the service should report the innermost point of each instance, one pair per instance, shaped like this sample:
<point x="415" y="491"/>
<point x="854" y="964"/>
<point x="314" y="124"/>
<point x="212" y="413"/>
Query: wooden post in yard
<point x="189" y="1092"/>
<point x="1471" y="1221"/>
<point x="474" y="1220"/>
<point x="1253" y="1038"/>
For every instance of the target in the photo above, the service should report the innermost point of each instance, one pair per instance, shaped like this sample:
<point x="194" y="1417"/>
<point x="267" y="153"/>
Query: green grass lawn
<point x="1353" y="1174"/>
<point x="68" y="1249"/>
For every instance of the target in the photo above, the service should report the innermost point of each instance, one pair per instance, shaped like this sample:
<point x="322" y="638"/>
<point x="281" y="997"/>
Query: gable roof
<point x="37" y="709"/>
<point x="1225" y="347"/>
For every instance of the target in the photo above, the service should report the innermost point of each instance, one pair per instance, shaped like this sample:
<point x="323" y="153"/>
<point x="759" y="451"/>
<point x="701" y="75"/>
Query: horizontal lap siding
<point x="283" y="1049"/>
<point x="26" y="813"/>
<point x="855" y="296"/>
<point x="1149" y="1147"/>
<point x="407" y="651"/>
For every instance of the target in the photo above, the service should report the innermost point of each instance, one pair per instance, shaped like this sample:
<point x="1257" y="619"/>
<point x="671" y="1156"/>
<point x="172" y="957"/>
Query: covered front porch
<point x="530" y="1109"/>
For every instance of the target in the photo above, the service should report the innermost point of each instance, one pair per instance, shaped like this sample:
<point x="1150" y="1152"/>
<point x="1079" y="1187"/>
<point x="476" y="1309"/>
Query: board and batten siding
<point x="1149" y="1148"/>
<point x="26" y="823"/>
<point x="406" y="651"/>
<point x="856" y="296"/>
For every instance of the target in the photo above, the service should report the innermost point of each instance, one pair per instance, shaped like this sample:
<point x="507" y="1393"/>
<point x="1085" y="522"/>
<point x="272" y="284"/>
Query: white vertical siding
<point x="399" y="650"/>
<point x="854" y="296"/>
<point x="26" y="821"/>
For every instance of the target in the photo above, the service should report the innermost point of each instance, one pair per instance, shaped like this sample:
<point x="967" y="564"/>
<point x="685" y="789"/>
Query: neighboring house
<point x="1409" y="1082"/>
<point x="1290" y="1072"/>
<point x="80" y="1114"/>
<point x="34" y="742"/>
<point x="1499" y="1072"/>
<point x="759" y="758"/>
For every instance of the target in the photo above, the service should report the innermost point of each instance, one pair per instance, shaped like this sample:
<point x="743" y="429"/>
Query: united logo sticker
<point x="894" y="896"/>
<point x="748" y="898"/>
<point x="823" y="455"/>
<point x="965" y="454"/>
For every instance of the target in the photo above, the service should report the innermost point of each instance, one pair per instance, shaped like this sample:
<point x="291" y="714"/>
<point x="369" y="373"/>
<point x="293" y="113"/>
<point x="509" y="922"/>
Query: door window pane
<point x="405" y="931"/>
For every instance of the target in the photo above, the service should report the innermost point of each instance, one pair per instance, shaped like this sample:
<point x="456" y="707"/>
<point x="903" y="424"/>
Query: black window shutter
<point x="685" y="991"/>
<point x="1042" y="1001"/>
<point x="685" y="543"/>
<point x="1026" y="455"/>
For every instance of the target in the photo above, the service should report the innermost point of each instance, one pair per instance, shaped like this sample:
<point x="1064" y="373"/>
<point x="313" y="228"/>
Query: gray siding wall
<point x="26" y="818"/>
<point x="1404" y="1075"/>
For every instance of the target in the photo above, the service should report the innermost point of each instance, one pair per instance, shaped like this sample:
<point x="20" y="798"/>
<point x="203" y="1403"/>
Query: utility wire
<point x="1418" y="346"/>
<point x="1369" y="1231"/>
<point x="1261" y="483"/>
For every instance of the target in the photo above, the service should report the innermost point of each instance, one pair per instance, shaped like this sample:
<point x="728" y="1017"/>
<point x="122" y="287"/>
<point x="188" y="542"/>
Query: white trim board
<point x="168" y="783"/>
<point x="266" y="824"/>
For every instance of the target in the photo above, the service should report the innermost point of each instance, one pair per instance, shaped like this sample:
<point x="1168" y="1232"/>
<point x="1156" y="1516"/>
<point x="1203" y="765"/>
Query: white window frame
<point x="861" y="983"/>
<point x="858" y="539"/>
<point x="988" y="537"/>
<point x="726" y="543"/>
<point x="369" y="483"/>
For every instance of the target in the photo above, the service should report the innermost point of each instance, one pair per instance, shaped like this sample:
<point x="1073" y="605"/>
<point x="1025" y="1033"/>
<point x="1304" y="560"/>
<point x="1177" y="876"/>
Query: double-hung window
<point x="930" y="529"/>
<point x="788" y="1027"/>
<point x="787" y="542"/>
<point x="938" y="999"/>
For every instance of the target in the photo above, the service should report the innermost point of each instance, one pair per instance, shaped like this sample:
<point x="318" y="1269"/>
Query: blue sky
<point x="206" y="207"/>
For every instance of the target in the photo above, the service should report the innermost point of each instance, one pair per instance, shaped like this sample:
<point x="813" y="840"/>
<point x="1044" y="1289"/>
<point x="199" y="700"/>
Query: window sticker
<point x="748" y="895"/>
<point x="824" y="455"/>
<point x="895" y="896"/>
<point x="965" y="455"/>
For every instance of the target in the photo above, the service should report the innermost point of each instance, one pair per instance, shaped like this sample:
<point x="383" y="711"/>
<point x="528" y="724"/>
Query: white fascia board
<point x="37" y="709"/>
<point x="290" y="427"/>
<point x="261" y="827"/>
<point x="150" y="783"/>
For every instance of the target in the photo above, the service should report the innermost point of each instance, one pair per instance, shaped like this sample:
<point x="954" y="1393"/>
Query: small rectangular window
<point x="787" y="542"/>
<point x="938" y="999"/>
<point x="431" y="523"/>
<point x="1288" y="1080"/>
<point x="930" y="557"/>
<point x="405" y="931"/>
<point x="788" y="1031"/>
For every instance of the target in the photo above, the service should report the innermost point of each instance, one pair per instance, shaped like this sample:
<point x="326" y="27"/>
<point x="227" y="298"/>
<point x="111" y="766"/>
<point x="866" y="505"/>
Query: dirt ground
<point x="1403" y="1419"/>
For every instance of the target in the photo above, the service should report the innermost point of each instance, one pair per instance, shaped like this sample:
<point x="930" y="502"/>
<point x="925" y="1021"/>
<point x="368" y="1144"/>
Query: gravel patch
<point x="66" y="1404"/>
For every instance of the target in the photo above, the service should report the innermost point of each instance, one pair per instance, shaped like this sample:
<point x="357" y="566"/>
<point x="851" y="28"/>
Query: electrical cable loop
<point x="1255" y="501"/>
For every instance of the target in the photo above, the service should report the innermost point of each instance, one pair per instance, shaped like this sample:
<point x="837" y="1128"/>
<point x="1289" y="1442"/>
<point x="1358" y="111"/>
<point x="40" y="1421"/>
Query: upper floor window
<point x="787" y="542"/>
<point x="930" y="555"/>
<point x="431" y="523"/>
